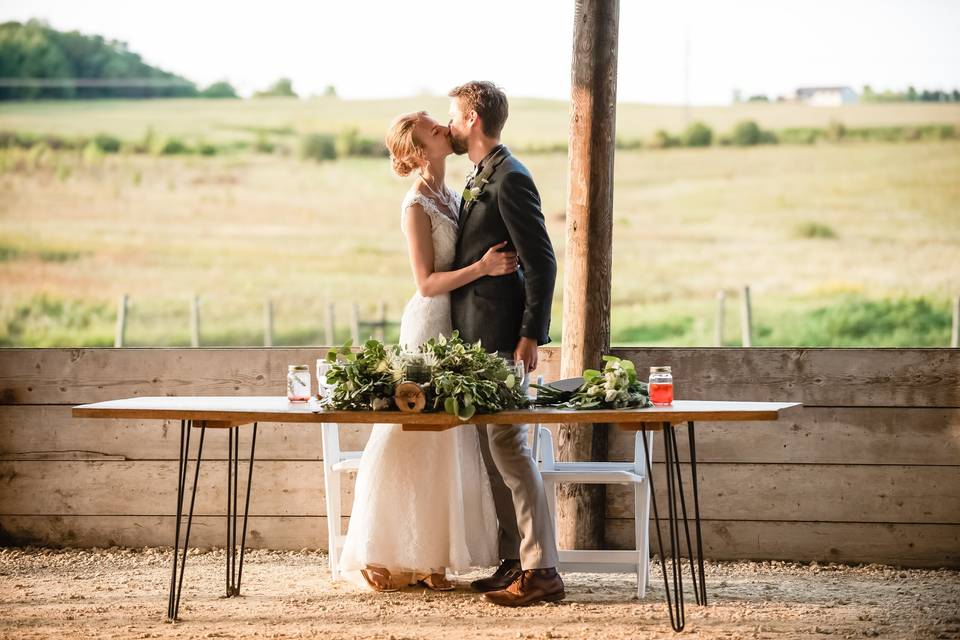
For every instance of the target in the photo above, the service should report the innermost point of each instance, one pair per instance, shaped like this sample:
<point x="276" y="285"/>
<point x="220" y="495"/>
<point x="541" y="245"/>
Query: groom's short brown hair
<point x="488" y="100"/>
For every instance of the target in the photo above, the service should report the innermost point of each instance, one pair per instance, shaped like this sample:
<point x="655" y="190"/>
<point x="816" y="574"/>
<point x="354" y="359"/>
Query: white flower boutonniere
<point x="472" y="193"/>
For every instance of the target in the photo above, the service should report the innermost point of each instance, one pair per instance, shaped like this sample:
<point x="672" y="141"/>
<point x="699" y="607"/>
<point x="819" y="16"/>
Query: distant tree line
<point x="910" y="95"/>
<point x="282" y="141"/>
<point x="867" y="94"/>
<point x="38" y="62"/>
<point x="748" y="133"/>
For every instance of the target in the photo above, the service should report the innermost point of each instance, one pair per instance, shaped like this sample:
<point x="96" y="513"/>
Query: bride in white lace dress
<point x="423" y="503"/>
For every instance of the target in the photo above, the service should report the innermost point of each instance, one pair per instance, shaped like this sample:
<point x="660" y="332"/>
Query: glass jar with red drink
<point x="661" y="386"/>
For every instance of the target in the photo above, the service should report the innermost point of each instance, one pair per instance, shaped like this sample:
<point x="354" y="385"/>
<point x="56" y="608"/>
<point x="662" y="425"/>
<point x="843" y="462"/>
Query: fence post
<point x="268" y="323"/>
<point x="121" y="331"/>
<point x="195" y="321"/>
<point x="721" y="303"/>
<point x="355" y="324"/>
<point x="746" y="319"/>
<point x="955" y="329"/>
<point x="328" y="326"/>
<point x="382" y="325"/>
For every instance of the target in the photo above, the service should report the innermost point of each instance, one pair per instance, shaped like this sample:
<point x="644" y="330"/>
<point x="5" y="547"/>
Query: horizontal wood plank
<point x="280" y="488"/>
<point x="909" y="545"/>
<point x="883" y="494"/>
<point x="819" y="493"/>
<point x="77" y="376"/>
<point x="50" y="432"/>
<point x="816" y="377"/>
<point x="230" y="411"/>
<point x="819" y="435"/>
<point x="264" y="532"/>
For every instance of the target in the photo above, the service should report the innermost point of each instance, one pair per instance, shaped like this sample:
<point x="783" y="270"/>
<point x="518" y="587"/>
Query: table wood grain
<point x="225" y="411"/>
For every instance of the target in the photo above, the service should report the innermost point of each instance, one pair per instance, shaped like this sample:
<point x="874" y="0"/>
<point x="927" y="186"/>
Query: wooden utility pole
<point x="588" y="263"/>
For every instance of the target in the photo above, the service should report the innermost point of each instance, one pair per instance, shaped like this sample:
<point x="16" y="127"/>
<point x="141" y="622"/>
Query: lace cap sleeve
<point x="411" y="199"/>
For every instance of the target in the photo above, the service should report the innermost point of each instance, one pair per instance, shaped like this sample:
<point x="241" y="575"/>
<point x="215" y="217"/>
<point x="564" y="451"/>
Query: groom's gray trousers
<point x="526" y="528"/>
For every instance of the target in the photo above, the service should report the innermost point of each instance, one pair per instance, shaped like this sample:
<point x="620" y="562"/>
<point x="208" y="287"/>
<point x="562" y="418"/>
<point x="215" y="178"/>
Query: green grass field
<point x="843" y="244"/>
<point x="532" y="122"/>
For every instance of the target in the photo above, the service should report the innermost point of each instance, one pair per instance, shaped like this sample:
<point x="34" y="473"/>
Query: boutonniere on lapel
<point x="471" y="193"/>
<point x="476" y="183"/>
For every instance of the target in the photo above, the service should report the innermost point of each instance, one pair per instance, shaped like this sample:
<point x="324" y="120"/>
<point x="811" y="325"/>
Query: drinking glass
<point x="324" y="389"/>
<point x="519" y="371"/>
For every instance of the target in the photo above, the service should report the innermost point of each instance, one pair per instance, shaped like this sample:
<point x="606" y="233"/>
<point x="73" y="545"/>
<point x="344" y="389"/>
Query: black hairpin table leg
<point x="235" y="568"/>
<point x="234" y="563"/>
<point x="696" y="510"/>
<point x="176" y="582"/>
<point x="670" y="432"/>
<point x="674" y="606"/>
<point x="675" y="510"/>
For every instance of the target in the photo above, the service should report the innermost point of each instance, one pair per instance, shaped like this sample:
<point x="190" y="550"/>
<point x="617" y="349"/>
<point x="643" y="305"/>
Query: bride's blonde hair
<point x="406" y="152"/>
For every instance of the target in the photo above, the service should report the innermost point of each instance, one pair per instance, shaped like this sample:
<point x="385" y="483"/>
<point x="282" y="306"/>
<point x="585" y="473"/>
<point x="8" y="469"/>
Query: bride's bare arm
<point x="432" y="283"/>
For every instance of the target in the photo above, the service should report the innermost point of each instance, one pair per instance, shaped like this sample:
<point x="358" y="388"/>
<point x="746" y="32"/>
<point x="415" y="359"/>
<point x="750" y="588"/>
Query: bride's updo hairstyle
<point x="406" y="154"/>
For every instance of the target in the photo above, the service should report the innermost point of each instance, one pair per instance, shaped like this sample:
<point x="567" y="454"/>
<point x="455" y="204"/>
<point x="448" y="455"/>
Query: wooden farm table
<point x="233" y="412"/>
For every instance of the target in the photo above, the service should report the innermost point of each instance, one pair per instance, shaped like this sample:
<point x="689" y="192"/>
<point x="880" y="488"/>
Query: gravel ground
<point x="121" y="593"/>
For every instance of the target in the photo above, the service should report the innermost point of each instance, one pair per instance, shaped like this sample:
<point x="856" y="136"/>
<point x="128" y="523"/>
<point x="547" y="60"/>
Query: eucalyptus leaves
<point x="468" y="380"/>
<point x="464" y="380"/>
<point x="616" y="387"/>
<point x="364" y="380"/>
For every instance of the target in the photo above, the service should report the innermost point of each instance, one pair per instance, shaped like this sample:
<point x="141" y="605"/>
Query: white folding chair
<point x="631" y="473"/>
<point x="335" y="463"/>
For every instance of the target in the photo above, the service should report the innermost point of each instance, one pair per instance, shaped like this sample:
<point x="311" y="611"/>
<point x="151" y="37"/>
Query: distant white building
<point x="825" y="96"/>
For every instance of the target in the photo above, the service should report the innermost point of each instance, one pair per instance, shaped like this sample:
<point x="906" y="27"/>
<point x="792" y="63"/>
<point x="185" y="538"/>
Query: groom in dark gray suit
<point x="509" y="314"/>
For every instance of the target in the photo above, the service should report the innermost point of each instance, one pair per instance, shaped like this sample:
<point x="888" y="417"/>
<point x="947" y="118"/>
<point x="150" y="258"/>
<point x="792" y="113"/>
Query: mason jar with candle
<point x="298" y="383"/>
<point x="661" y="386"/>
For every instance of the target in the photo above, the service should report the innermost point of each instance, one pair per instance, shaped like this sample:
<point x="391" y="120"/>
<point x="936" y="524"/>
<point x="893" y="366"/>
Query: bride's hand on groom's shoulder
<point x="498" y="263"/>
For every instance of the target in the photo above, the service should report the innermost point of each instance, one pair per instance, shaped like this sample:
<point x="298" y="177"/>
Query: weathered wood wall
<point x="868" y="471"/>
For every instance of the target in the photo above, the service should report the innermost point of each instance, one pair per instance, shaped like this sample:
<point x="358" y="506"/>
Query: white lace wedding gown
<point x="423" y="502"/>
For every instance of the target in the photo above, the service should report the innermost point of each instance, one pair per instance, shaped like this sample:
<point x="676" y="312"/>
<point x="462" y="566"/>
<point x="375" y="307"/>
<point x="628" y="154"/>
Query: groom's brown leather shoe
<point x="530" y="587"/>
<point x="505" y="574"/>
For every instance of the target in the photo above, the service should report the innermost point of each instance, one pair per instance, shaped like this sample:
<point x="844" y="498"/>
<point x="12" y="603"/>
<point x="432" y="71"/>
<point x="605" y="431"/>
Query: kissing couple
<point x="429" y="503"/>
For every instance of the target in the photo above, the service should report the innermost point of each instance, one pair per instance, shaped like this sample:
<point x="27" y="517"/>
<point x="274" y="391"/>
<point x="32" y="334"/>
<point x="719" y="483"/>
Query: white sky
<point x="395" y="48"/>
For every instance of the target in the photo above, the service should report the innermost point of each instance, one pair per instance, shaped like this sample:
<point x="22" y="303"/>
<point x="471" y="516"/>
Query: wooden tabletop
<point x="224" y="411"/>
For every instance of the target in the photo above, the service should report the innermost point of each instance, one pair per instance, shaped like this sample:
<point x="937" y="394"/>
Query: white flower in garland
<point x="398" y="364"/>
<point x="615" y="387"/>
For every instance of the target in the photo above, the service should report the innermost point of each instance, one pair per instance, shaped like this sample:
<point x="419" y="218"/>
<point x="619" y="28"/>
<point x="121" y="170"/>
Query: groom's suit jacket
<point x="500" y="309"/>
